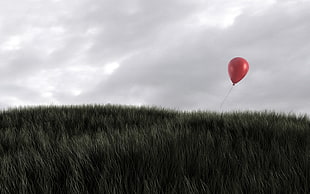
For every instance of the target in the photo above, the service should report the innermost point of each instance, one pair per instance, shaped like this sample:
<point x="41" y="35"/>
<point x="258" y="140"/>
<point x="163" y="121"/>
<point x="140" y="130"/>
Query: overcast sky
<point x="168" y="53"/>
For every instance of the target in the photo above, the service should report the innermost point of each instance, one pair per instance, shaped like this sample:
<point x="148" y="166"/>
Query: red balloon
<point x="237" y="68"/>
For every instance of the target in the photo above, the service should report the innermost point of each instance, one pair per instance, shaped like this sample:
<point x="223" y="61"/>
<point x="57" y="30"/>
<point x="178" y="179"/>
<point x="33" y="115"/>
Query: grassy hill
<point x="118" y="149"/>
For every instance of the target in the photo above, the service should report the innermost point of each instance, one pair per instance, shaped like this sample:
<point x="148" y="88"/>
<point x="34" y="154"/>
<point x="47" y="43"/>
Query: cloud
<point x="171" y="54"/>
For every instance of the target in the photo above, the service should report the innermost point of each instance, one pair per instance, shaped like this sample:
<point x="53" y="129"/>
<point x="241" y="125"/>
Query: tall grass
<point x="124" y="149"/>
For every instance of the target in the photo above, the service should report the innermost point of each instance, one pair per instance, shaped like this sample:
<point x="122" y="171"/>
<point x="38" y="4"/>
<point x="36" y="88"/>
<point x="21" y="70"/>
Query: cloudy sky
<point x="171" y="54"/>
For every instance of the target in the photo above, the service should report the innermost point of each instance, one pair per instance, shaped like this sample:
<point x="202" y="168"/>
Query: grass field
<point x="122" y="149"/>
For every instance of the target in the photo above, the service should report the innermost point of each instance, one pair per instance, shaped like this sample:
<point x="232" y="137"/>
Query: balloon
<point x="237" y="68"/>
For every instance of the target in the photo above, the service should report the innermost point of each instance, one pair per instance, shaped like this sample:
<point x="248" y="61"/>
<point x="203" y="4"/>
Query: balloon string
<point x="226" y="96"/>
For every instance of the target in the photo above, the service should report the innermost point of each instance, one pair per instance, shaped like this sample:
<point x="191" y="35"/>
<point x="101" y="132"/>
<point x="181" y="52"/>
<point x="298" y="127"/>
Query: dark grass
<point x="122" y="149"/>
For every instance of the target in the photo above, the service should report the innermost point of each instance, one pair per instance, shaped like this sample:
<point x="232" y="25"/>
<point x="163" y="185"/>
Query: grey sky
<point x="172" y="53"/>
